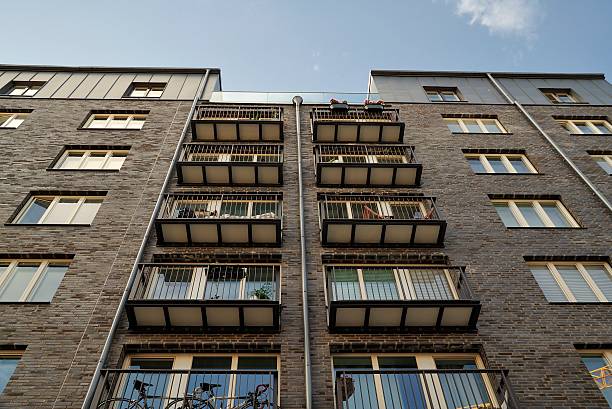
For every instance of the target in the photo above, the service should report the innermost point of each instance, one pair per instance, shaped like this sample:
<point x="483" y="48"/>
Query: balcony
<point x="356" y="125"/>
<point x="201" y="296"/>
<point x="237" y="165"/>
<point x="220" y="220"/>
<point x="194" y="388"/>
<point x="424" y="389"/>
<point x="251" y="123"/>
<point x="399" y="298"/>
<point x="363" y="165"/>
<point x="394" y="220"/>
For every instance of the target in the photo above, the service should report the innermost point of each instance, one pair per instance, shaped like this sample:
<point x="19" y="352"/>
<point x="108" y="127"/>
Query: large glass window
<point x="59" y="210"/>
<point x="8" y="362"/>
<point x="95" y="159"/>
<point x="146" y="90"/>
<point x="115" y="121"/>
<point x="12" y="120"/>
<point x="23" y="88"/>
<point x="604" y="162"/>
<point x="574" y="282"/>
<point x="599" y="365"/>
<point x="500" y="163"/>
<point x="560" y="96"/>
<point x="534" y="213"/>
<point x="30" y="281"/>
<point x="587" y="127"/>
<point x="474" y="125"/>
<point x="442" y="94"/>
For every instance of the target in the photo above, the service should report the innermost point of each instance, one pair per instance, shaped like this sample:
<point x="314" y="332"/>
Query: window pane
<point x="602" y="128"/>
<point x="464" y="390"/>
<point x="116" y="161"/>
<point x="506" y="215"/>
<point x="158" y="381"/>
<point x="35" y="211"/>
<point x="476" y="165"/>
<point x="491" y="126"/>
<point x="355" y="390"/>
<point x="136" y="123"/>
<point x="519" y="165"/>
<point x="344" y="283"/>
<point x="555" y="215"/>
<point x="603" y="163"/>
<point x="600" y="370"/>
<point x="18" y="90"/>
<point x="87" y="211"/>
<point x="602" y="279"/>
<point x="472" y="125"/>
<point x="62" y="211"/>
<point x="118" y="122"/>
<point x="72" y="160"/>
<point x="139" y="92"/>
<point x="16" y="121"/>
<point x="584" y="128"/>
<point x="15" y="285"/>
<point x="380" y="284"/>
<point x="574" y="280"/>
<point x="434" y="96"/>
<point x="564" y="98"/>
<point x="497" y="165"/>
<point x="530" y="214"/>
<point x="7" y="367"/>
<point x="4" y="118"/>
<point x="155" y="93"/>
<point x="449" y="97"/>
<point x="454" y="126"/>
<point x="99" y="121"/>
<point x="47" y="286"/>
<point x="547" y="283"/>
<point x="430" y="284"/>
<point x="95" y="160"/>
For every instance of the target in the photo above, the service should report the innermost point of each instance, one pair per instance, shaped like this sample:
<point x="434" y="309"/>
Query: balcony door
<point x="176" y="283"/>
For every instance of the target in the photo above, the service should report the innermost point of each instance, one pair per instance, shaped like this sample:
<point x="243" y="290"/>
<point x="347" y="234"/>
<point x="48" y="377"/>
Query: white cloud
<point x="516" y="17"/>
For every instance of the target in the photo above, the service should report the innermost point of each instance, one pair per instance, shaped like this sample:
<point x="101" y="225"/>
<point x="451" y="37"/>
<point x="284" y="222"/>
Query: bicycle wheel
<point x="190" y="404"/>
<point x="120" y="403"/>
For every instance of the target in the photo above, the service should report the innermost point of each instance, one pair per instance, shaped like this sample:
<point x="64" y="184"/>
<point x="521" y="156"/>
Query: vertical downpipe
<point x="297" y="100"/>
<point x="111" y="333"/>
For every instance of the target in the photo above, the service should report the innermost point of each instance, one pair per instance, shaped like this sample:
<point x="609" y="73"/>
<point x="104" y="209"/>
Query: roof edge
<point x="411" y="73"/>
<point x="47" y="68"/>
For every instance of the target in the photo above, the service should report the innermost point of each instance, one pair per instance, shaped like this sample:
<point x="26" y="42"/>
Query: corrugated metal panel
<point x="120" y="87"/>
<point x="102" y="88"/>
<point x="43" y="76"/>
<point x="52" y="85"/>
<point x="86" y="86"/>
<point x="25" y="76"/>
<point x="190" y="87"/>
<point x="69" y="85"/>
<point x="174" y="86"/>
<point x="7" y="77"/>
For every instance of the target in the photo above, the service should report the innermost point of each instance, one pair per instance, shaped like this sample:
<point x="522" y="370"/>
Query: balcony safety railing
<point x="195" y="152"/>
<point x="384" y="154"/>
<point x="376" y="207"/>
<point x="423" y="389"/>
<point x="239" y="112"/>
<point x="355" y="114"/>
<point x="224" y="122"/>
<point x="222" y="206"/>
<point x="195" y="388"/>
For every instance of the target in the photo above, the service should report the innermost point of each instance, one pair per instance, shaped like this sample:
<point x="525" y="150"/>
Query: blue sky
<point x="286" y="45"/>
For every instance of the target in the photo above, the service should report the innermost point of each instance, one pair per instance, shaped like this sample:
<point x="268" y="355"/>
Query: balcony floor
<point x="236" y="130"/>
<point x="219" y="232"/>
<point x="230" y="173"/>
<point x="372" y="174"/>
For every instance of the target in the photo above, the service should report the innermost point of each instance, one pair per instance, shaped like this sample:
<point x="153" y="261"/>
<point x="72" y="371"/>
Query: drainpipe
<point x="118" y="314"/>
<point x="297" y="100"/>
<point x="582" y="176"/>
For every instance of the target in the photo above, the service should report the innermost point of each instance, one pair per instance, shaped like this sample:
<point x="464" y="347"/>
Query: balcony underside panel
<point x="385" y="233"/>
<point x="236" y="130"/>
<point x="219" y="232"/>
<point x="368" y="175"/>
<point x="353" y="132"/>
<point x="229" y="174"/>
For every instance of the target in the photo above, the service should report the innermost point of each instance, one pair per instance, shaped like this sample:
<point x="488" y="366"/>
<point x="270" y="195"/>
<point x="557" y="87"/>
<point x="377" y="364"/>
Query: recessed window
<point x="60" y="210"/>
<point x="500" y="163"/>
<point x="534" y="213"/>
<point x="587" y="127"/>
<point x="146" y="90"/>
<point x="599" y="365"/>
<point x="12" y="119"/>
<point x="442" y="94"/>
<point x="102" y="159"/>
<point x="604" y="161"/>
<point x="23" y="88"/>
<point x="30" y="280"/>
<point x="474" y="125"/>
<point x="574" y="282"/>
<point x="560" y="96"/>
<point x="8" y="363"/>
<point x="115" y="121"/>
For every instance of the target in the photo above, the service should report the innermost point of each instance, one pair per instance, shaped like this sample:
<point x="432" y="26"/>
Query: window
<point x="560" y="96"/>
<point x="8" y="363"/>
<point x="30" y="280"/>
<point x="605" y="162"/>
<point x="60" y="210"/>
<point x="115" y="121"/>
<point x="500" y="163"/>
<point x="587" y="127"/>
<point x="534" y="213"/>
<point x="94" y="159"/>
<point x="146" y="90"/>
<point x="12" y="119"/>
<point x="442" y="94"/>
<point x="474" y="125"/>
<point x="23" y="88"/>
<point x="574" y="282"/>
<point x="599" y="365"/>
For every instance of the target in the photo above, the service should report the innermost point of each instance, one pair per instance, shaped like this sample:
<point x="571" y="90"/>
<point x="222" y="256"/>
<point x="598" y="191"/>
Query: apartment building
<point x="441" y="241"/>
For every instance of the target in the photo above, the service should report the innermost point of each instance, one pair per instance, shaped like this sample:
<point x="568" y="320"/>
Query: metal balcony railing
<point x="165" y="389"/>
<point x="206" y="282"/>
<point x="355" y="114"/>
<point x="423" y="389"/>
<point x="222" y="206"/>
<point x="377" y="207"/>
<point x="224" y="112"/>
<point x="396" y="283"/>
<point x="365" y="154"/>
<point x="195" y="152"/>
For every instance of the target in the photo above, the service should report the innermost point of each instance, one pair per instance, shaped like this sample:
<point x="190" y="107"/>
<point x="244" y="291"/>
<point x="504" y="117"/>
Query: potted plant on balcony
<point x="262" y="293"/>
<point x="375" y="106"/>
<point x="337" y="105"/>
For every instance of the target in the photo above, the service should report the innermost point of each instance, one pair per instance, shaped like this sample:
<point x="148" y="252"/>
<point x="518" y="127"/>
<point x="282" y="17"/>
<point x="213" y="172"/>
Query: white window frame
<point x="56" y="199"/>
<point x="571" y="124"/>
<point x="12" y="117"/>
<point x="38" y="275"/>
<point x="111" y="117"/>
<point x="480" y="122"/>
<point x="31" y="88"/>
<point x="606" y="158"/>
<point x="569" y="296"/>
<point x="150" y="87"/>
<point x="505" y="158"/>
<point x="537" y="205"/>
<point x="440" y="93"/>
<point x="85" y="154"/>
<point x="553" y="96"/>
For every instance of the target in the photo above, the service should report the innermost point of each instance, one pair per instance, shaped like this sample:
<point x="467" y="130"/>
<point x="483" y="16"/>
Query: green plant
<point x="263" y="293"/>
